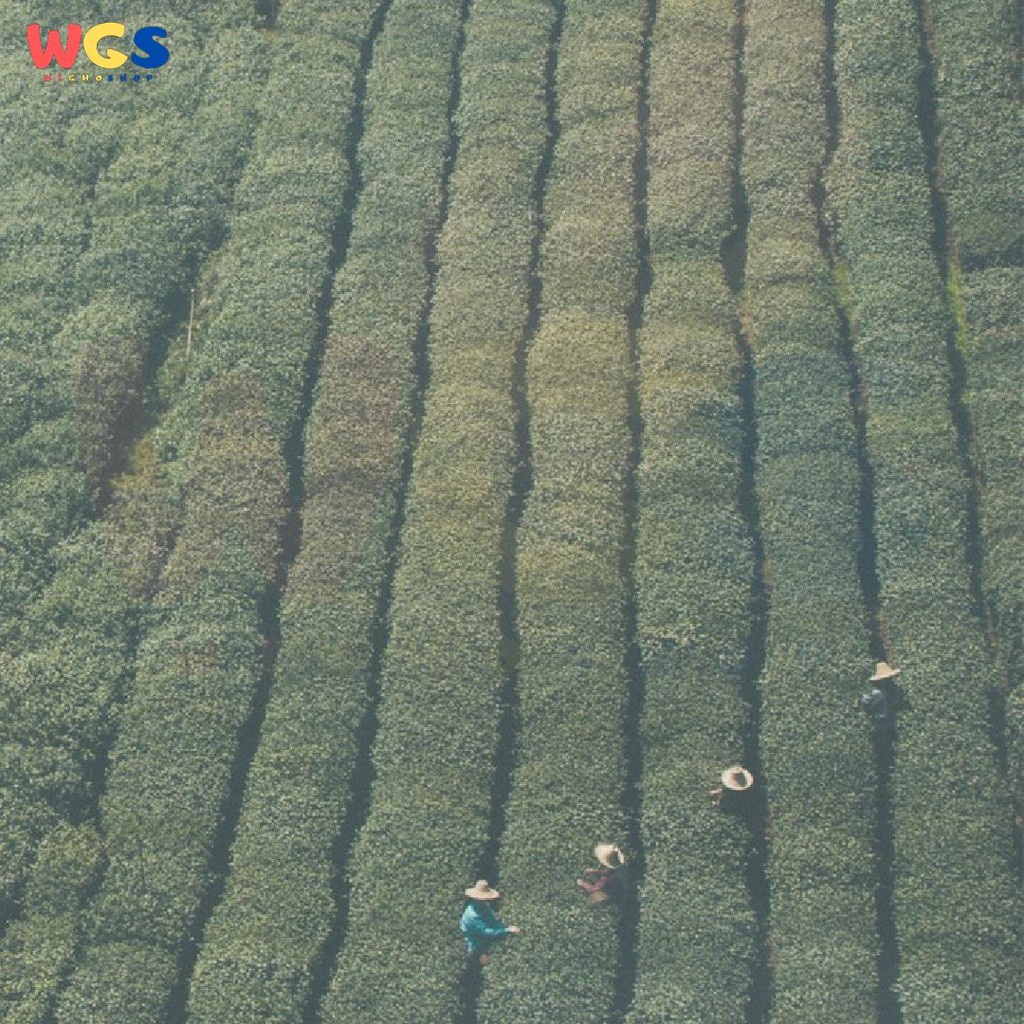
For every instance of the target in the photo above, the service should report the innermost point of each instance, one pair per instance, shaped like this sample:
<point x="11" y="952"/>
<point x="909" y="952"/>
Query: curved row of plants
<point x="56" y="704"/>
<point x="79" y="361"/>
<point x="982" y="135"/>
<point x="438" y="715"/>
<point x="45" y="237"/>
<point x="821" y="859"/>
<point x="78" y="637"/>
<point x="979" y="118"/>
<point x="567" y="784"/>
<point x="955" y="897"/>
<point x="103" y="380"/>
<point x="194" y="679"/>
<point x="266" y="940"/>
<point x="204" y="656"/>
<point x="694" y="558"/>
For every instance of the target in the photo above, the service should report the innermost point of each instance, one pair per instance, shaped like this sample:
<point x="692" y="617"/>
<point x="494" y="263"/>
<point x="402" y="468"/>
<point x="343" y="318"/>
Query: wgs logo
<point x="149" y="52"/>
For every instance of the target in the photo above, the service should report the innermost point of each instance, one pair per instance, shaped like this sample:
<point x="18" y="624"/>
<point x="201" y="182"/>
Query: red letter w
<point x="43" y="57"/>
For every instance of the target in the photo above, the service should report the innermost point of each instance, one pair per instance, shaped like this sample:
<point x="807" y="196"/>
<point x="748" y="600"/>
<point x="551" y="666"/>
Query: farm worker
<point x="875" y="702"/>
<point x="735" y="780"/>
<point x="605" y="881"/>
<point x="480" y="925"/>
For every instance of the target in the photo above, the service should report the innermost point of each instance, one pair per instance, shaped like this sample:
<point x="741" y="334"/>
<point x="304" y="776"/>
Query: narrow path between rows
<point x="887" y="1003"/>
<point x="522" y="484"/>
<point x="270" y="612"/>
<point x="364" y="773"/>
<point x="629" y="918"/>
<point x="734" y="259"/>
<point x="944" y="245"/>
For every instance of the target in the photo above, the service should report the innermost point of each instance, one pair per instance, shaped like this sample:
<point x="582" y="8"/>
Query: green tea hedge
<point x="977" y="73"/>
<point x="438" y="712"/>
<point x="266" y="939"/>
<point x="816" y="747"/>
<point x="567" y="784"/>
<point x="179" y="754"/>
<point x="77" y="636"/>
<point x="36" y="949"/>
<point x="195" y="675"/>
<point x="957" y="906"/>
<point x="84" y="383"/>
<point x="694" y="558"/>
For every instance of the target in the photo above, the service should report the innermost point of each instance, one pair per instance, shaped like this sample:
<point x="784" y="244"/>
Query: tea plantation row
<point x="955" y="895"/>
<point x="438" y="713"/>
<point x="694" y="551"/>
<point x="982" y="135"/>
<point x="822" y="866"/>
<point x="76" y="638"/>
<point x="266" y="941"/>
<point x="202" y="659"/>
<point x="567" y="784"/>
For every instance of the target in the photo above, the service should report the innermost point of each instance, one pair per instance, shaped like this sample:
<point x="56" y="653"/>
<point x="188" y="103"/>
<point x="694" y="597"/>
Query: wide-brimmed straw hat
<point x="605" y="852"/>
<point x="482" y="891"/>
<point x="738" y="778"/>
<point x="883" y="670"/>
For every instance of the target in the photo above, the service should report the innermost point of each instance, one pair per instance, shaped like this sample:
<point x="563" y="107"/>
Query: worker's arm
<point x="486" y="926"/>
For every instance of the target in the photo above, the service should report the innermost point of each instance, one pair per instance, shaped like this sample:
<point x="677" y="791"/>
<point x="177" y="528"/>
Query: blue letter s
<point x="154" y="54"/>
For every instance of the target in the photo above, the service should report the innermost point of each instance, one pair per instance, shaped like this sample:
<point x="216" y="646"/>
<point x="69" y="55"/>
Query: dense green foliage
<point x="694" y="558"/>
<point x="266" y="938"/>
<point x="189" y="719"/>
<point x="572" y="683"/>
<point x="77" y="378"/>
<point x="36" y="949"/>
<point x="195" y="673"/>
<point x="44" y="231"/>
<point x="433" y="758"/>
<point x="977" y="85"/>
<point x="175" y="756"/>
<point x="821" y="869"/>
<point x="56" y="700"/>
<point x="955" y="896"/>
<point x="982" y="135"/>
<point x="79" y="636"/>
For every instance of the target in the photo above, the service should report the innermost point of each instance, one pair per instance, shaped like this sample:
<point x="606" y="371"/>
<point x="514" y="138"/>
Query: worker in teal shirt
<point x="480" y="924"/>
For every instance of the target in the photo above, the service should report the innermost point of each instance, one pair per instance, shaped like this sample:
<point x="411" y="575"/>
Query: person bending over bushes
<point x="605" y="882"/>
<point x="480" y="925"/>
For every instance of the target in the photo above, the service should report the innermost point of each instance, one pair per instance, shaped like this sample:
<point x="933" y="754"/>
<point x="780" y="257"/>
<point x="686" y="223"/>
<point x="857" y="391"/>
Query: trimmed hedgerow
<point x="76" y="636"/>
<point x="821" y="858"/>
<point x="44" y="230"/>
<point x="433" y="758"/>
<point x="56" y="700"/>
<point x="977" y="82"/>
<point x="258" y="302"/>
<point x="954" y="892"/>
<point x="572" y="685"/>
<point x="36" y="949"/>
<point x="195" y="674"/>
<point x="78" y="391"/>
<point x="219" y="575"/>
<point x="981" y="137"/>
<point x="694" y="558"/>
<point x="994" y="310"/>
<point x="266" y="938"/>
<point x="994" y="313"/>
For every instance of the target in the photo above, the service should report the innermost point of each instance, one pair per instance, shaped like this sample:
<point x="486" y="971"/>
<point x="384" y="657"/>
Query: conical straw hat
<point x="604" y="853"/>
<point x="482" y="891"/>
<point x="883" y="670"/>
<point x="737" y="778"/>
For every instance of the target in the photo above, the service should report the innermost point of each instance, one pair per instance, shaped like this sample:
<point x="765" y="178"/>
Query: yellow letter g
<point x="112" y="58"/>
